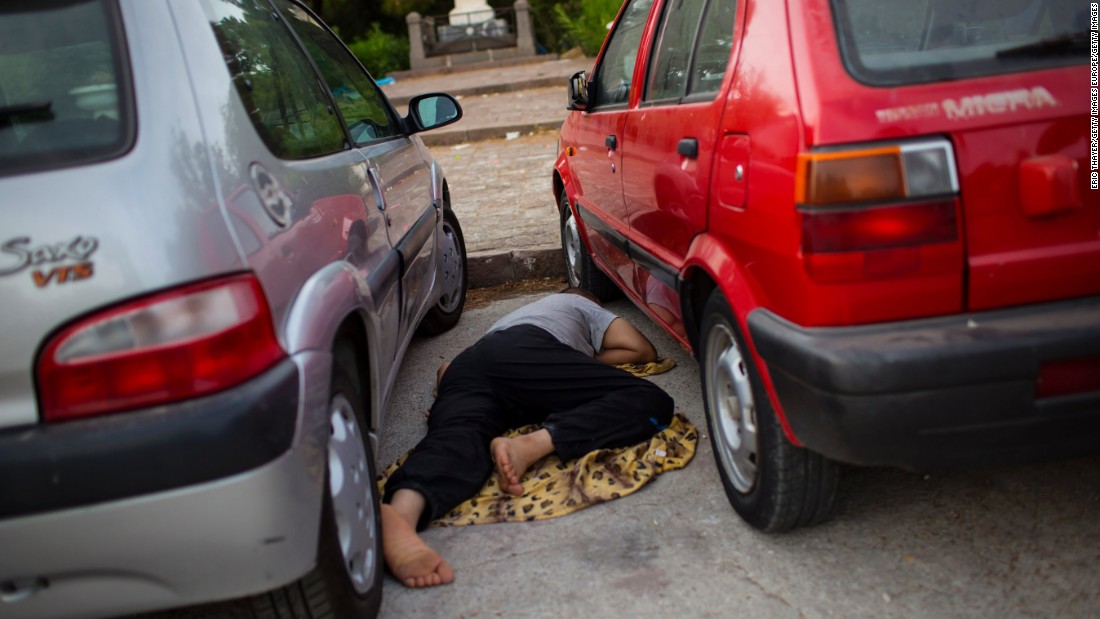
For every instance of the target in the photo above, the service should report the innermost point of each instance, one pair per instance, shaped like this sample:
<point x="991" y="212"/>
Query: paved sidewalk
<point x="548" y="73"/>
<point x="498" y="162"/>
<point x="486" y="117"/>
<point x="496" y="102"/>
<point x="502" y="193"/>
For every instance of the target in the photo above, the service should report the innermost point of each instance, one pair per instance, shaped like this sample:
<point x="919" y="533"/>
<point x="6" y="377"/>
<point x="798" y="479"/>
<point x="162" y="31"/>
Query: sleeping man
<point x="547" y="363"/>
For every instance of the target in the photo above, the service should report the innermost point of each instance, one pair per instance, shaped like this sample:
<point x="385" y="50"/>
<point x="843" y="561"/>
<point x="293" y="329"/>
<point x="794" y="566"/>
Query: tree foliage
<point x="559" y="24"/>
<point x="381" y="52"/>
<point x="585" y="23"/>
<point x="352" y="19"/>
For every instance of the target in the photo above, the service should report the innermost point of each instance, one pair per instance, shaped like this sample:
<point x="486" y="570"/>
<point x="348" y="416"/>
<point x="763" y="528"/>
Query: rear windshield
<point x="894" y="42"/>
<point x="63" y="91"/>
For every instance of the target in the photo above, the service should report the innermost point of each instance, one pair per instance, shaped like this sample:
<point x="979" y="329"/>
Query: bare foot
<point x="513" y="456"/>
<point x="410" y="560"/>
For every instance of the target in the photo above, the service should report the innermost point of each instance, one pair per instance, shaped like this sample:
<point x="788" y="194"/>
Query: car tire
<point x="448" y="309"/>
<point x="347" y="579"/>
<point x="580" y="270"/>
<point x="772" y="484"/>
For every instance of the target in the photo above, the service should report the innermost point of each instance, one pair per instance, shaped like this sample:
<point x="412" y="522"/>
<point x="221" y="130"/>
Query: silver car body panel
<point x="144" y="221"/>
<point x="183" y="206"/>
<point x="221" y="540"/>
<point x="392" y="172"/>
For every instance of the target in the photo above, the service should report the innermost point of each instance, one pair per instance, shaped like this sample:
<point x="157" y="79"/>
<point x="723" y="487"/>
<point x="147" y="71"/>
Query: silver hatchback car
<point x="217" y="238"/>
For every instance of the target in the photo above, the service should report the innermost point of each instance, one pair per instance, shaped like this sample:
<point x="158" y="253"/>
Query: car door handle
<point x="688" y="147"/>
<point x="376" y="188"/>
<point x="611" y="142"/>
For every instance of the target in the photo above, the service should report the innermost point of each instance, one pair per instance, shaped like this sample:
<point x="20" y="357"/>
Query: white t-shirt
<point x="574" y="320"/>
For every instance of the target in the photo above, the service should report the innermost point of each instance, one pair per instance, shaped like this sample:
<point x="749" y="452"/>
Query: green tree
<point x="381" y="52"/>
<point x="352" y="19"/>
<point x="401" y="8"/>
<point x="585" y="23"/>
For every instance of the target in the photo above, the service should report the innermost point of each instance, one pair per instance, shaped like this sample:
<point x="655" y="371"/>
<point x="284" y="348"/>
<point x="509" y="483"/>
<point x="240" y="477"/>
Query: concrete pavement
<point x="1012" y="542"/>
<point x="498" y="160"/>
<point x="495" y="101"/>
<point x="502" y="194"/>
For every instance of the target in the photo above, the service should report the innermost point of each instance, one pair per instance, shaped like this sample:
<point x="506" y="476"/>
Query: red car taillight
<point x="879" y="205"/>
<point x="880" y="227"/>
<point x="180" y="344"/>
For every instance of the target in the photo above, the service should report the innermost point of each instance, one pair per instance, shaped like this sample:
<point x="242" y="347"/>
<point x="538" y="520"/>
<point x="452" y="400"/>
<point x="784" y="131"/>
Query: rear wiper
<point x="35" y="110"/>
<point x="1060" y="45"/>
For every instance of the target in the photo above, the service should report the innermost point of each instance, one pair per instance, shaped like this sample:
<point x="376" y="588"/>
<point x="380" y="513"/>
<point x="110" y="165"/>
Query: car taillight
<point x="880" y="203"/>
<point x="172" y="346"/>
<point x="880" y="227"/>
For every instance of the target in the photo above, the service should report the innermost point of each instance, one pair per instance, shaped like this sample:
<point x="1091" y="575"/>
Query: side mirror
<point x="432" y="110"/>
<point x="578" y="91"/>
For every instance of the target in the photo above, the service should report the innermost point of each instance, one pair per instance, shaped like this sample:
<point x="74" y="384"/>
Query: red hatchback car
<point x="875" y="222"/>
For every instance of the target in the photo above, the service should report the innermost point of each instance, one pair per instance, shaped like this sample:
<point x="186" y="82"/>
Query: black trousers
<point x="519" y="376"/>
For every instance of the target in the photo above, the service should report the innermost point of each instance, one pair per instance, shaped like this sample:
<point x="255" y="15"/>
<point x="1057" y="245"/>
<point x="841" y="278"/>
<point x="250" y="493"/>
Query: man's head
<point x="584" y="293"/>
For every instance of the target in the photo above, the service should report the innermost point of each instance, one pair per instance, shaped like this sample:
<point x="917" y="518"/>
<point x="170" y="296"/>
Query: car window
<point x="64" y="87"/>
<point x="713" y="50"/>
<point x="616" y="70"/>
<point x="364" y="109"/>
<point x="894" y="42"/>
<point x="275" y="81"/>
<point x="668" y="69"/>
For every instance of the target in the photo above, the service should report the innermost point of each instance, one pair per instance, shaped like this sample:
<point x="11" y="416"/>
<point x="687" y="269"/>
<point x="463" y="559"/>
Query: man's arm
<point x="622" y="343"/>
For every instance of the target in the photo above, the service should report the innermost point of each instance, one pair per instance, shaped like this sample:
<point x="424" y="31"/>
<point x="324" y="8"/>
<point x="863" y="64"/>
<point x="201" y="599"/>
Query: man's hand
<point x="623" y="343"/>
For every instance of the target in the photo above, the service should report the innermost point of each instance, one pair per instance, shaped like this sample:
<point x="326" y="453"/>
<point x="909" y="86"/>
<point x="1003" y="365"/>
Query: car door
<point x="396" y="167"/>
<point x="670" y="143"/>
<point x="599" y="133"/>
<point x="296" y="193"/>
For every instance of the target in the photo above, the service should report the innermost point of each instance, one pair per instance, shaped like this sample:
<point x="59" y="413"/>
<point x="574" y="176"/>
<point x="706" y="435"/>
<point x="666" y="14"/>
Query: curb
<point x="448" y="138"/>
<point x="492" y="89"/>
<point x="472" y="66"/>
<point x="489" y="268"/>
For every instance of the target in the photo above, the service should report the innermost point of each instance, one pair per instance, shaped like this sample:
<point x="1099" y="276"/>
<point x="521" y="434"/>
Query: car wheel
<point x="772" y="484"/>
<point x="580" y="271"/>
<point x="347" y="580"/>
<point x="452" y="278"/>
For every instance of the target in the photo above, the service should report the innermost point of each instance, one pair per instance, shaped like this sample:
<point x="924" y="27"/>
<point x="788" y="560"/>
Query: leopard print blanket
<point x="553" y="488"/>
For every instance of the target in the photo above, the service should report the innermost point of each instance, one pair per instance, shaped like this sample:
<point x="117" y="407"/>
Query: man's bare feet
<point x="513" y="456"/>
<point x="410" y="560"/>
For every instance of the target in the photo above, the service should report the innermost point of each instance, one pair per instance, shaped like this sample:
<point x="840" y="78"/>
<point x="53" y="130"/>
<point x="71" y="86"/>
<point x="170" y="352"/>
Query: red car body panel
<point x="1028" y="225"/>
<point x="997" y="125"/>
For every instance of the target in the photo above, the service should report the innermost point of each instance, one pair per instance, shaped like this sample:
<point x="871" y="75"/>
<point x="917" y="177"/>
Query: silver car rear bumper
<point x="239" y="534"/>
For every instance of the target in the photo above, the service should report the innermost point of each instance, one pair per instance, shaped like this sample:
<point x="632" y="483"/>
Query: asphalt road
<point x="1011" y="542"/>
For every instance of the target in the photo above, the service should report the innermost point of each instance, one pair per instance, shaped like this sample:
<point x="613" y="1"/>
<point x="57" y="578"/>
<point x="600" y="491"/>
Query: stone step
<point x="497" y="102"/>
<point x="503" y="115"/>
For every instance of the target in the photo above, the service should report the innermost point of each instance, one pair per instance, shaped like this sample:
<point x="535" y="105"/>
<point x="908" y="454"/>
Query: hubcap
<point x="571" y="243"/>
<point x="730" y="402"/>
<point x="352" y="493"/>
<point x="452" y="275"/>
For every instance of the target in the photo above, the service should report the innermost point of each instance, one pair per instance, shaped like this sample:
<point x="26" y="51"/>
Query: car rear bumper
<point x="203" y="501"/>
<point x="937" y="393"/>
<point x="59" y="466"/>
